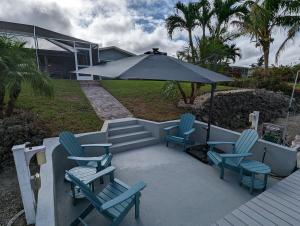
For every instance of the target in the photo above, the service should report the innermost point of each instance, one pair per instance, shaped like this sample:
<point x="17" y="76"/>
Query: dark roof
<point x="102" y="49"/>
<point x="30" y="30"/>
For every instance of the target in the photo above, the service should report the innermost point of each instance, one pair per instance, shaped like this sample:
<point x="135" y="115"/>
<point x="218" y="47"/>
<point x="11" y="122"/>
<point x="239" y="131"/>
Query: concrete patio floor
<point x="180" y="190"/>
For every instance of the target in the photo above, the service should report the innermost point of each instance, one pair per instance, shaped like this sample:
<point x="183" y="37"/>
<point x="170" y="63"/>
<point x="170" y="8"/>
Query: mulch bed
<point x="200" y="152"/>
<point x="10" y="197"/>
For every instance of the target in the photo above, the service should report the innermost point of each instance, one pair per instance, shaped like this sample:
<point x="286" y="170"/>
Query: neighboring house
<point x="237" y="71"/>
<point x="69" y="54"/>
<point x="60" y="64"/>
<point x="112" y="53"/>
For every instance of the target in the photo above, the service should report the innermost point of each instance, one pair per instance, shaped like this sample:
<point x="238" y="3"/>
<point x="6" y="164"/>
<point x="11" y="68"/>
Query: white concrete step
<point x="129" y="137"/>
<point x="125" y="129"/>
<point x="122" y="123"/>
<point x="129" y="145"/>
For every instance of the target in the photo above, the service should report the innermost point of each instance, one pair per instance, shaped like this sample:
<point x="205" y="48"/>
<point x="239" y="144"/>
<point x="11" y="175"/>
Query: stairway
<point x="129" y="134"/>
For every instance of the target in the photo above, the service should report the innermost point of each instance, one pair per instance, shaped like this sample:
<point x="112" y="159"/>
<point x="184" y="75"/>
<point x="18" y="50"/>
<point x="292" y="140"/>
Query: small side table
<point x="254" y="167"/>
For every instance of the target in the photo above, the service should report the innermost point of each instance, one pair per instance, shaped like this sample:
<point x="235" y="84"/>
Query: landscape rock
<point x="231" y="110"/>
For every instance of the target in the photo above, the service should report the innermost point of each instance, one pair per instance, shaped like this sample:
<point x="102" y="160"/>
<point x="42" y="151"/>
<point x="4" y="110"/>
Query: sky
<point x="134" y="25"/>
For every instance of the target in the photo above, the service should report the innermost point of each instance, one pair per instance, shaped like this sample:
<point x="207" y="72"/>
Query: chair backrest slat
<point x="86" y="191"/>
<point x="71" y="144"/>
<point x="245" y="143"/>
<point x="186" y="123"/>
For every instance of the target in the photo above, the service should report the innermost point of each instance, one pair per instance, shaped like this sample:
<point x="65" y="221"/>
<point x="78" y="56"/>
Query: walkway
<point x="105" y="105"/>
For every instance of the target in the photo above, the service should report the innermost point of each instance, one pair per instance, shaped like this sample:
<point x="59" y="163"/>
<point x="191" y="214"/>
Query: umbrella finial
<point x="155" y="51"/>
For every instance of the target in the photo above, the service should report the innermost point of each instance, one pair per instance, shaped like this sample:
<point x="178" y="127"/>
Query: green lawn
<point x="68" y="110"/>
<point x="144" y="98"/>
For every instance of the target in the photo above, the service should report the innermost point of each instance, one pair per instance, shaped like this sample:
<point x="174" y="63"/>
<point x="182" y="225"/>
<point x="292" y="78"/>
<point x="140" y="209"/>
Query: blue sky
<point x="135" y="25"/>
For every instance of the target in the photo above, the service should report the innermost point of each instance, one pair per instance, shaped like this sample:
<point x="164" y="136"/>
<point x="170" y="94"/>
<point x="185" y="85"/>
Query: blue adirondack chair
<point x="114" y="201"/>
<point x="240" y="150"/>
<point x="86" y="165"/>
<point x="184" y="130"/>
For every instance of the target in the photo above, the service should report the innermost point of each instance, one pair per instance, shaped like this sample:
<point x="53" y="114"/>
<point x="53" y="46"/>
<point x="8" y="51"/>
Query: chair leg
<point x="167" y="144"/>
<point x="101" y="178"/>
<point x="73" y="194"/>
<point x="265" y="181"/>
<point x="137" y="206"/>
<point x="241" y="176"/>
<point x="222" y="172"/>
<point x="82" y="215"/>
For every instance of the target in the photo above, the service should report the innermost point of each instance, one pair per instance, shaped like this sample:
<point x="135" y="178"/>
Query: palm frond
<point x="174" y="22"/>
<point x="290" y="36"/>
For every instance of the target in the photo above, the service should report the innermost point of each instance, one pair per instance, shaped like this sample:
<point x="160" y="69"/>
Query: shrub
<point x="21" y="127"/>
<point x="273" y="83"/>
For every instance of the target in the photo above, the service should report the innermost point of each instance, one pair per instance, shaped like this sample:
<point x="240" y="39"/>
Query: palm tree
<point x="205" y="16"/>
<point x="214" y="51"/>
<point x="224" y="10"/>
<point x="185" y="18"/>
<point x="17" y="66"/>
<point x="261" y="20"/>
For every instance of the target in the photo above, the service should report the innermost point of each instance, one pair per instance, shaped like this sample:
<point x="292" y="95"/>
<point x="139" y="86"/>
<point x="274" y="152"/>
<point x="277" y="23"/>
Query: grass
<point x="297" y="85"/>
<point x="68" y="110"/>
<point x="145" y="100"/>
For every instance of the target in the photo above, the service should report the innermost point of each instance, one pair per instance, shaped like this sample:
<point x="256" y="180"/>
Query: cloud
<point x="37" y="13"/>
<point x="135" y="25"/>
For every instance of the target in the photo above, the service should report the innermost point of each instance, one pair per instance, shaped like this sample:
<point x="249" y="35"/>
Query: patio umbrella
<point x="155" y="65"/>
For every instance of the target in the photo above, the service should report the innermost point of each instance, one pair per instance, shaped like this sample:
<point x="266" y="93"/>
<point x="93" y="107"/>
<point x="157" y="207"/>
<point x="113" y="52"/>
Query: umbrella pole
<point x="212" y="91"/>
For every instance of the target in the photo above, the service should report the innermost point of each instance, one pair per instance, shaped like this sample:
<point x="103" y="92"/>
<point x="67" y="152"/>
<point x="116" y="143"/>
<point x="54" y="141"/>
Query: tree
<point x="17" y="66"/>
<point x="204" y="16"/>
<point x="185" y="18"/>
<point x="214" y="48"/>
<point x="261" y="20"/>
<point x="224" y="11"/>
<point x="214" y="51"/>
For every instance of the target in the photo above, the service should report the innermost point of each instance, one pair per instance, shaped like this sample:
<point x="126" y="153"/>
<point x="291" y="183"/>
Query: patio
<point x="180" y="189"/>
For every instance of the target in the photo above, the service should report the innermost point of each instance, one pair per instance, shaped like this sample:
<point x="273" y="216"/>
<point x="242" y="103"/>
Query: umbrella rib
<point x="208" y="80"/>
<point x="144" y="57"/>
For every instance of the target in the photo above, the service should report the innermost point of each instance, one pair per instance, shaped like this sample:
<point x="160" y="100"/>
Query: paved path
<point x="105" y="105"/>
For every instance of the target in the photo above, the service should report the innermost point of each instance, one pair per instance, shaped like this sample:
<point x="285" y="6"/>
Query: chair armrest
<point x="235" y="155"/>
<point x="95" y="145"/>
<point x="170" y="127"/>
<point x="189" y="132"/>
<point x="96" y="159"/>
<point x="101" y="173"/>
<point x="214" y="143"/>
<point x="124" y="196"/>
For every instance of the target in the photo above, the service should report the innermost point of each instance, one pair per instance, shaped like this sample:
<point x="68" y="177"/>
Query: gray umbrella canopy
<point x="158" y="66"/>
<point x="155" y="66"/>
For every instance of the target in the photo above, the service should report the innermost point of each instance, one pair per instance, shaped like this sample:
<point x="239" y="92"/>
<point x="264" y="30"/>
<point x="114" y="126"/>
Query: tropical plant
<point x="185" y="18"/>
<point x="205" y="15"/>
<point x="263" y="18"/>
<point x="17" y="66"/>
<point x="213" y="51"/>
<point x="216" y="48"/>
<point x="224" y="11"/>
